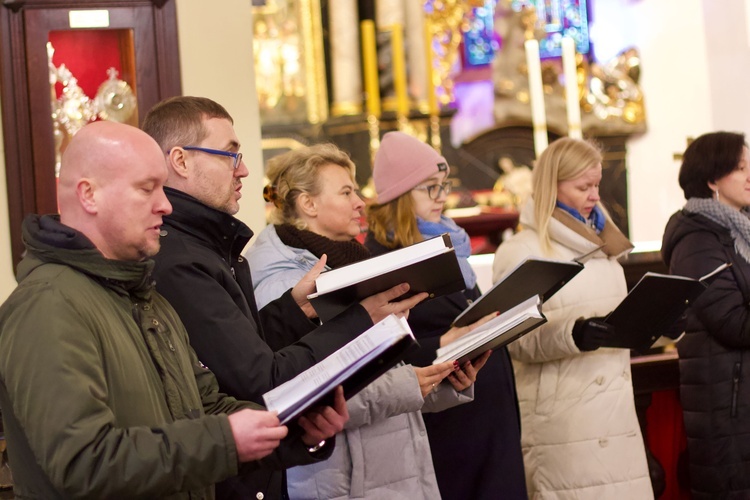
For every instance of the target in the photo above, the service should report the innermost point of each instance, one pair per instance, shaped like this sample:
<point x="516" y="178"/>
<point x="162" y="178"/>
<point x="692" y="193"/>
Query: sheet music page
<point x="374" y="266"/>
<point x="715" y="271"/>
<point x="489" y="330"/>
<point x="328" y="373"/>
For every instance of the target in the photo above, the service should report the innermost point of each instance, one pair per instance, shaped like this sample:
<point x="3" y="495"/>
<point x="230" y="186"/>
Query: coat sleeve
<point x="444" y="396"/>
<point x="230" y="344"/>
<point x="393" y="393"/>
<point x="291" y="452"/>
<point x="721" y="308"/>
<point x="284" y="322"/>
<point x="54" y="376"/>
<point x="551" y="341"/>
<point x="276" y="278"/>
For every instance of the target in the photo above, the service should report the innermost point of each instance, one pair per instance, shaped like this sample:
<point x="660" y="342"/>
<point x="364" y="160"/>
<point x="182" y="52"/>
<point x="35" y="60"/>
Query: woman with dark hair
<point x="476" y="448"/>
<point x="713" y="228"/>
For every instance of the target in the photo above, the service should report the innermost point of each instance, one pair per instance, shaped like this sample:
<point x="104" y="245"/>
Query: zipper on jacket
<point x="735" y="387"/>
<point x="231" y="268"/>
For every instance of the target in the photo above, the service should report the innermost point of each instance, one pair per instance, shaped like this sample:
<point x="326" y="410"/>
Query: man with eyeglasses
<point x="202" y="273"/>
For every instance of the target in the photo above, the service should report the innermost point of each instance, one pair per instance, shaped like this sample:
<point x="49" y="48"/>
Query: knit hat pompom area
<point x="402" y="163"/>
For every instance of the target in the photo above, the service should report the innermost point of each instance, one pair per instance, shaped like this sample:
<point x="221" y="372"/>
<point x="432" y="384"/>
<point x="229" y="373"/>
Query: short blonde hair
<point x="296" y="172"/>
<point x="563" y="160"/>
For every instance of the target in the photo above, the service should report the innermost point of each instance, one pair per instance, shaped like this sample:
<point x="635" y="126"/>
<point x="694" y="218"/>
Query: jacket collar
<point x="569" y="232"/>
<point x="615" y="244"/>
<point x="682" y="223"/>
<point x="218" y="229"/>
<point x="47" y="240"/>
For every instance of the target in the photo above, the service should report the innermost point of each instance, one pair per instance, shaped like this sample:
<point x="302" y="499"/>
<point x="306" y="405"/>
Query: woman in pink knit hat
<point x="476" y="448"/>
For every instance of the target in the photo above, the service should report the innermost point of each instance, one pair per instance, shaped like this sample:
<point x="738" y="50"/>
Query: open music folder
<point x="533" y="276"/>
<point x="497" y="332"/>
<point x="353" y="366"/>
<point x="428" y="266"/>
<point x="653" y="306"/>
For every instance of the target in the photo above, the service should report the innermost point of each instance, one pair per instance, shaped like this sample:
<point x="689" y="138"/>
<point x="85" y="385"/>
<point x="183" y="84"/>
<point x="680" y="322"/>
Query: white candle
<point x="346" y="74"/>
<point x="571" y="88"/>
<point x="536" y="96"/>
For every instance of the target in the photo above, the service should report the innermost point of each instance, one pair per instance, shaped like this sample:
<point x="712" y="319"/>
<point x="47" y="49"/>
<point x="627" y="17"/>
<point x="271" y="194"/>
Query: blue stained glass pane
<point x="479" y="43"/>
<point x="561" y="18"/>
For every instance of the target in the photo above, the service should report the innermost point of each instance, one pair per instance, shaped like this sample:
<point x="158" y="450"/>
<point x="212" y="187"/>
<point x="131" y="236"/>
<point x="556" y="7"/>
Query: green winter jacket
<point x="101" y="395"/>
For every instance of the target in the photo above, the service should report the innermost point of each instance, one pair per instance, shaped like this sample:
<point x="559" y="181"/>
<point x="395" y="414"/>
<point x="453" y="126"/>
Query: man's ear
<point x="176" y="162"/>
<point x="306" y="205"/>
<point x="86" y="192"/>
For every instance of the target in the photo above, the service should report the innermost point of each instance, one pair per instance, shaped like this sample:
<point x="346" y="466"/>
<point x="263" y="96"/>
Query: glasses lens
<point x="434" y="191"/>
<point x="237" y="160"/>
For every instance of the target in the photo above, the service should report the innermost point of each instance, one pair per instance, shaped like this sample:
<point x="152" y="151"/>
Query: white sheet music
<point x="324" y="376"/>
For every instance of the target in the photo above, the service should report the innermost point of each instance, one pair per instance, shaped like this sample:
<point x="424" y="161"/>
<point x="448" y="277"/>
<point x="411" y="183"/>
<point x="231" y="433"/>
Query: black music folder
<point x="497" y="332"/>
<point x="653" y="306"/>
<point x="533" y="276"/>
<point x="428" y="266"/>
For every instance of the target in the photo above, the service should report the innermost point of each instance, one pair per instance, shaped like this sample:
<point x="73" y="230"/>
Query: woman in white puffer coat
<point x="580" y="433"/>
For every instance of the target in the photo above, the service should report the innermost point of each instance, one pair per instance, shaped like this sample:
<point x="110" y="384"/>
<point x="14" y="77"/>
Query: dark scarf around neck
<point x="340" y="253"/>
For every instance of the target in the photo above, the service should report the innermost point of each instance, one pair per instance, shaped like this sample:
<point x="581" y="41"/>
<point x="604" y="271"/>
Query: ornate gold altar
<point x="349" y="73"/>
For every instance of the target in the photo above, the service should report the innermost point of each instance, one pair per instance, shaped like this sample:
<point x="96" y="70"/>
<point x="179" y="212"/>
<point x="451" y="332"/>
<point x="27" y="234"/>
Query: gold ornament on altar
<point x="613" y="90"/>
<point x="610" y="96"/>
<point x="289" y="62"/>
<point x="445" y="21"/>
<point x="114" y="99"/>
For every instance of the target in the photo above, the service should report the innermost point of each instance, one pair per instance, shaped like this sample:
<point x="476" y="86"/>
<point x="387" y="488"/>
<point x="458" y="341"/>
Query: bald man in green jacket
<point x="101" y="394"/>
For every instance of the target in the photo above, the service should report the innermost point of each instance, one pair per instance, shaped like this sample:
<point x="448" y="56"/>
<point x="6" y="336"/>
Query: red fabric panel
<point x="88" y="54"/>
<point x="667" y="441"/>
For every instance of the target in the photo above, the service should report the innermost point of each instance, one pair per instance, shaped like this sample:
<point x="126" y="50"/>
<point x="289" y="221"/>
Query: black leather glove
<point x="677" y="328"/>
<point x="592" y="333"/>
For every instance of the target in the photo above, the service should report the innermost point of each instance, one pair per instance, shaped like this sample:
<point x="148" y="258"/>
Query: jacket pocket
<point x="545" y="394"/>
<point x="736" y="376"/>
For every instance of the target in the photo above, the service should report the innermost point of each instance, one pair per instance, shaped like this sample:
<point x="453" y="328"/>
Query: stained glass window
<point x="479" y="42"/>
<point x="560" y="18"/>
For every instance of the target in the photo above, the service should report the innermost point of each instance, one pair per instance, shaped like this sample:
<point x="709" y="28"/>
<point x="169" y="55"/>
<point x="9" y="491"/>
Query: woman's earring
<point x="716" y="192"/>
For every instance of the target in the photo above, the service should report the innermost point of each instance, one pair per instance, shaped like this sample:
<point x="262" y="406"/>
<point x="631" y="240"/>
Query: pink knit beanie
<point x="401" y="163"/>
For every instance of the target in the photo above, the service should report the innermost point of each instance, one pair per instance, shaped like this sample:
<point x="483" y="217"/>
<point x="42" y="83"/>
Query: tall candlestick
<point x="432" y="101"/>
<point x="370" y="66"/>
<point x="346" y="72"/>
<point x="571" y="88"/>
<point x="536" y="96"/>
<point x="415" y="50"/>
<point x="399" y="70"/>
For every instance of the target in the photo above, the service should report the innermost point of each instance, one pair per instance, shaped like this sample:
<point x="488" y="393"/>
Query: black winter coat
<point x="714" y="357"/>
<point x="476" y="447"/>
<point x="201" y="272"/>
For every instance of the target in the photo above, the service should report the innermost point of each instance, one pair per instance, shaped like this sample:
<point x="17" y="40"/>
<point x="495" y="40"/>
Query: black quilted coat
<point x="714" y="357"/>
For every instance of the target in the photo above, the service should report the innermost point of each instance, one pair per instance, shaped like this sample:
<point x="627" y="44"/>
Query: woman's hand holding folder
<point x="457" y="332"/>
<point x="382" y="304"/>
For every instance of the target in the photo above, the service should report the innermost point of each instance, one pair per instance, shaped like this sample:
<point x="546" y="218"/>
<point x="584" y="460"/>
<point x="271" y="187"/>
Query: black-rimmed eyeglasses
<point x="435" y="190"/>
<point x="236" y="157"/>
